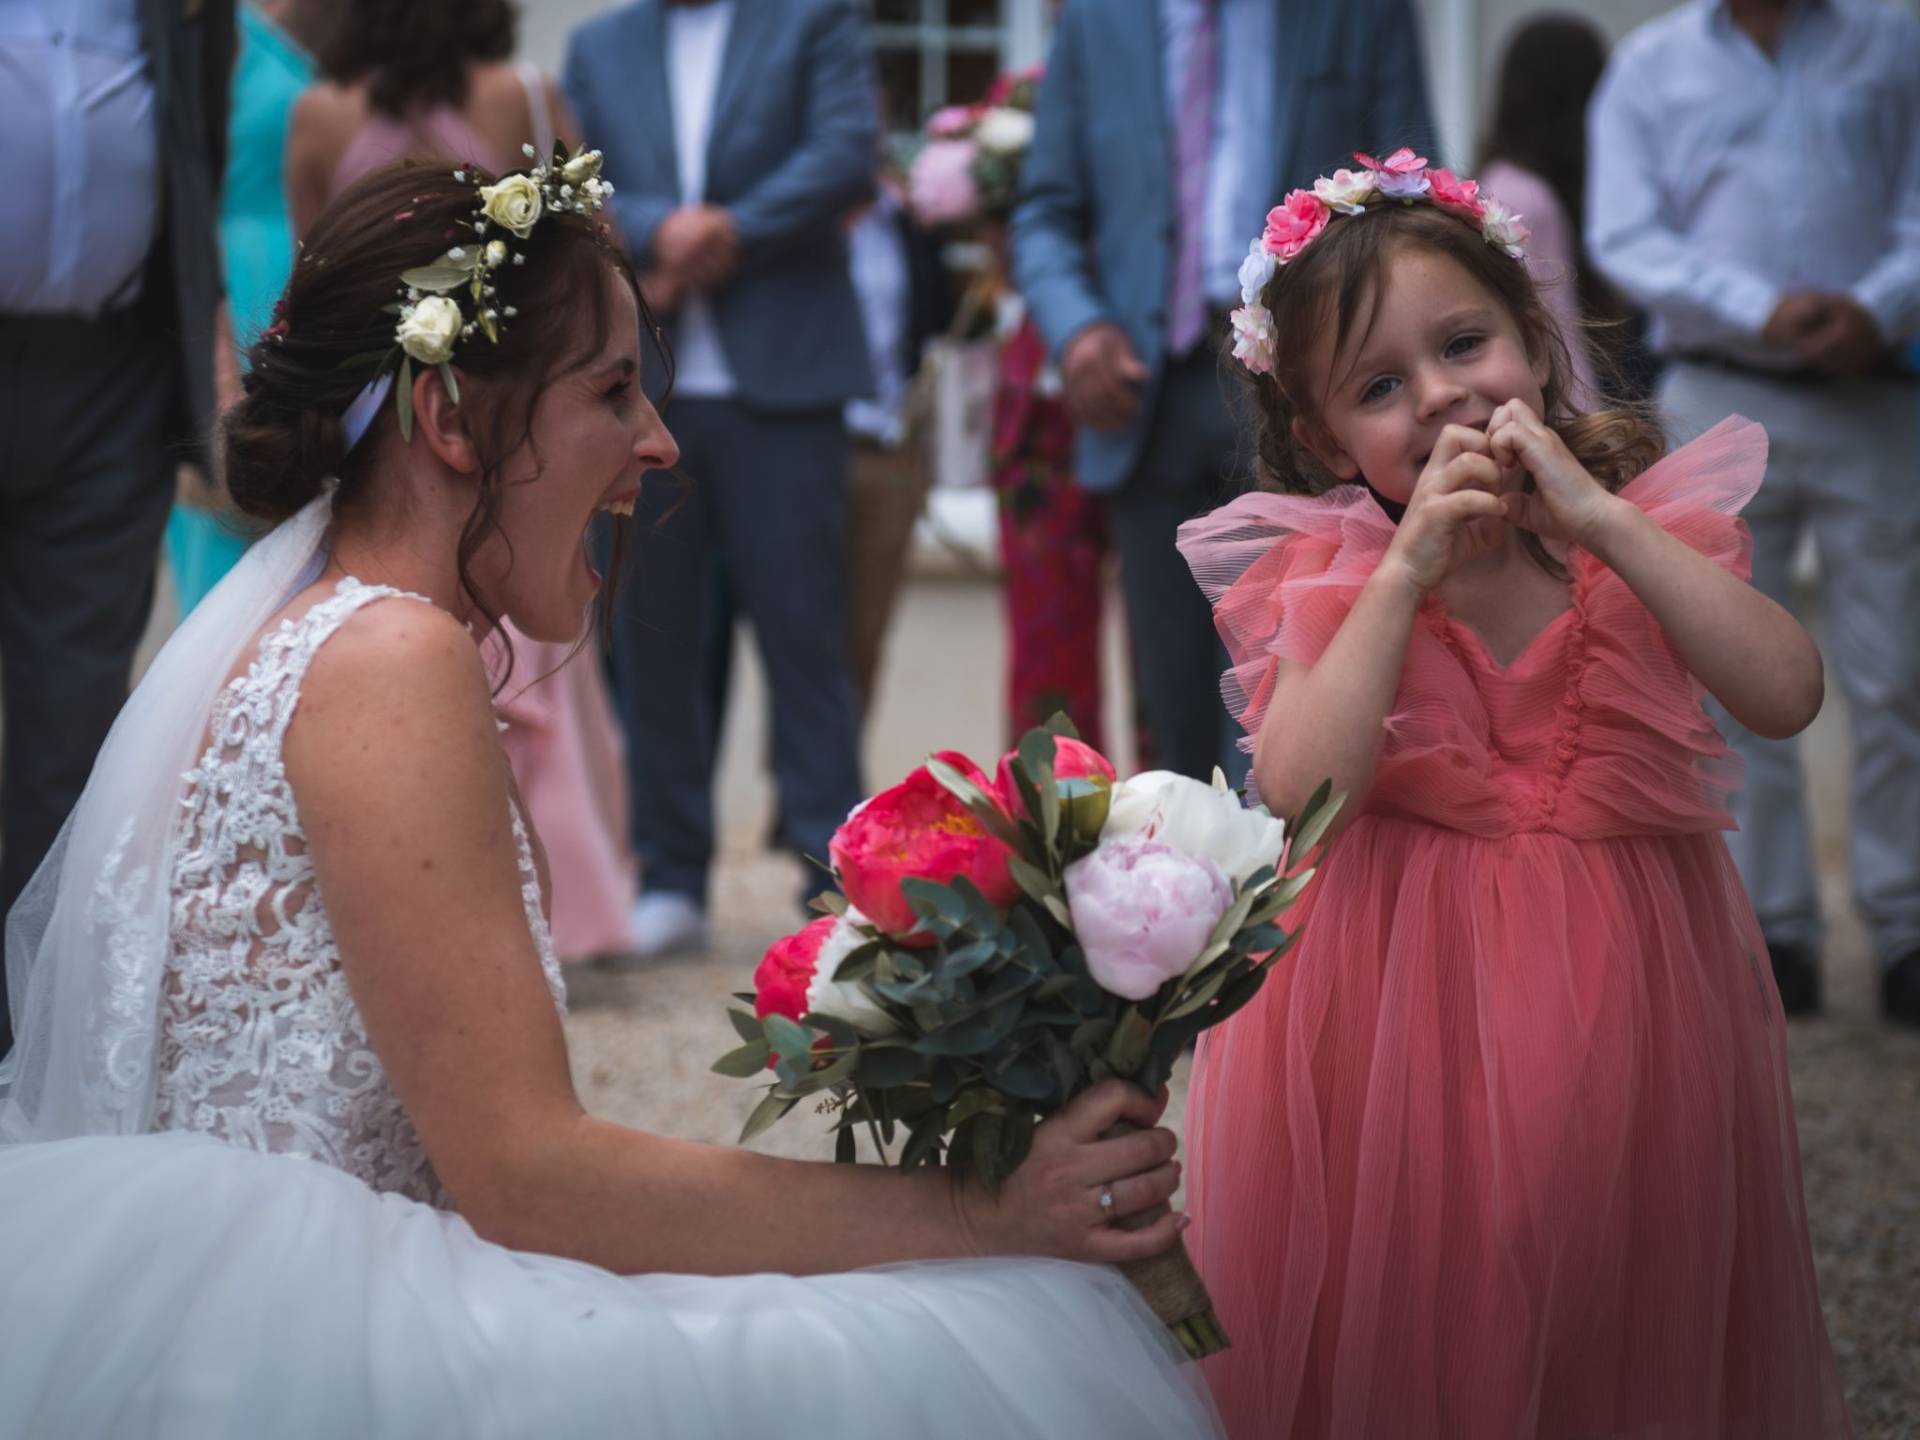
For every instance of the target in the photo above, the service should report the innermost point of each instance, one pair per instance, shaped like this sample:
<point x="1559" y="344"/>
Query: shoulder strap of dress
<point x="313" y="629"/>
<point x="538" y="109"/>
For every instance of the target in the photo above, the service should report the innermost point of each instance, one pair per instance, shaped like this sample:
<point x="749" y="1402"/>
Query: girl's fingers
<point x="1455" y="441"/>
<point x="1467" y="471"/>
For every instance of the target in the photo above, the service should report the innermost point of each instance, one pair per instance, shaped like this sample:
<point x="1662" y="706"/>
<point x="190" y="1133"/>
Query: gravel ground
<point x="644" y="1033"/>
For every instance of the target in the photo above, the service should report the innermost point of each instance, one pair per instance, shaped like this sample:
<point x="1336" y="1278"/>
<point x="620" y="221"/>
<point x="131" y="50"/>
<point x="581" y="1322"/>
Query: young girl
<point x="1505" y="1147"/>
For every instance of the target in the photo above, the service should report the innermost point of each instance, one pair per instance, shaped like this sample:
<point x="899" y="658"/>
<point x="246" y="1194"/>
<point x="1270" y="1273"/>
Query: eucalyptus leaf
<point x="830" y="902"/>
<point x="923" y="1143"/>
<point x="884" y="1066"/>
<point x="982" y="806"/>
<point x="1319" y="813"/>
<point x="447" y="379"/>
<point x="746" y="1027"/>
<point x="1032" y="879"/>
<point x="844" y="1152"/>
<point x="790" y="1041"/>
<point x="443" y="274"/>
<point x="744" y="1063"/>
<point x="1057" y="908"/>
<point x="1199" y="998"/>
<point x="1060" y="724"/>
<point x="766" y="1112"/>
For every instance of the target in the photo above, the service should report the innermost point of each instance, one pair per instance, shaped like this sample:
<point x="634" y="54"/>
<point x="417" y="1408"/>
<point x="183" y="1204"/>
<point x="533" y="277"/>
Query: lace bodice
<point x="261" y="1043"/>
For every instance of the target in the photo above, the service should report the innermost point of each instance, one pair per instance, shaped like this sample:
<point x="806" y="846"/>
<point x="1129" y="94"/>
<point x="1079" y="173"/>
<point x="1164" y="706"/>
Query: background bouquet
<point x="1002" y="944"/>
<point x="967" y="167"/>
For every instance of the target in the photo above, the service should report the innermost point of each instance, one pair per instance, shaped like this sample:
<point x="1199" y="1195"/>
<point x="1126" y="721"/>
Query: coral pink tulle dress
<point x="1505" y="1147"/>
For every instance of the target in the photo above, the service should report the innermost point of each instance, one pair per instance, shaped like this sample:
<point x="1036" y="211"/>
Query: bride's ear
<point x="439" y="420"/>
<point x="1318" y="441"/>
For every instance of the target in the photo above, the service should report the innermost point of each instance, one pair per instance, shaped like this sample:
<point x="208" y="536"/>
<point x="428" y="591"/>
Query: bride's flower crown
<point x="448" y="301"/>
<point x="1296" y="222"/>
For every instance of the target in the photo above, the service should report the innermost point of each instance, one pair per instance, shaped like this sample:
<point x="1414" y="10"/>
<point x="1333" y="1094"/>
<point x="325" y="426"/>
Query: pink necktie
<point x="1192" y="144"/>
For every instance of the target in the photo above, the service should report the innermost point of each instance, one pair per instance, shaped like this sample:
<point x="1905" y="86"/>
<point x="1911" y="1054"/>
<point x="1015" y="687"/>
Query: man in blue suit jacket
<point x="1134" y="141"/>
<point x="738" y="135"/>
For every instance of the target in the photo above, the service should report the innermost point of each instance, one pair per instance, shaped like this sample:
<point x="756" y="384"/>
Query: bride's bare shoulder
<point x="399" y="685"/>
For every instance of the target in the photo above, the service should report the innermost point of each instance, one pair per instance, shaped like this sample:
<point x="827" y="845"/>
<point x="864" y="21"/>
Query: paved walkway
<point x="644" y="1034"/>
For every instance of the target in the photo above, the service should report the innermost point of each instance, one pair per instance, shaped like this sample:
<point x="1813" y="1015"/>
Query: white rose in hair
<point x="845" y="1000"/>
<point x="1345" y="190"/>
<point x="1004" y="129"/>
<point x="581" y="168"/>
<point x="428" y="329"/>
<point x="1198" y="819"/>
<point x="514" y="203"/>
<point x="1255" y="271"/>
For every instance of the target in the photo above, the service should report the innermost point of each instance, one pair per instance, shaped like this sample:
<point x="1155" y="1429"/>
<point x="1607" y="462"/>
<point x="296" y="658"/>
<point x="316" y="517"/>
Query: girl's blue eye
<point x="1379" y="389"/>
<point x="1461" y="344"/>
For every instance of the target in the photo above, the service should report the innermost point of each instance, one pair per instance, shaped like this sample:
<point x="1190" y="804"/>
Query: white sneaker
<point x="664" y="923"/>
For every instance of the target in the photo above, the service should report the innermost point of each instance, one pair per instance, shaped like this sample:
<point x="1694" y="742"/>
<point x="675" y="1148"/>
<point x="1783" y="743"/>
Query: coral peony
<point x="917" y="830"/>
<point x="785" y="972"/>
<point x="1142" y="912"/>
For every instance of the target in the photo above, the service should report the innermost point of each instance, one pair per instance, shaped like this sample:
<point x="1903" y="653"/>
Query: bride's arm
<point x="402" y="789"/>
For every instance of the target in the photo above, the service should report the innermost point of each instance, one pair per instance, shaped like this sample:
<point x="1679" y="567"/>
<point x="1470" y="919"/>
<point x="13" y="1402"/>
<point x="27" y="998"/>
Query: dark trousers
<point x="1186" y="467"/>
<point x="85" y="482"/>
<point x="768" y="506"/>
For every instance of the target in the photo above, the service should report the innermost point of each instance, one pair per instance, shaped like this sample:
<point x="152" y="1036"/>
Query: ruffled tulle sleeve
<point x="1281" y="572"/>
<point x="1697" y="493"/>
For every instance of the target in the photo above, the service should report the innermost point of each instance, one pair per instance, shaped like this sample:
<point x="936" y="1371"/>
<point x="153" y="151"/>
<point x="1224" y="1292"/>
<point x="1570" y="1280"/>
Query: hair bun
<point x="278" y="456"/>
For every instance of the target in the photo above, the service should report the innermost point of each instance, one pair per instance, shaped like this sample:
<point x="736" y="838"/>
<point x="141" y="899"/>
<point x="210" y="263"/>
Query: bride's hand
<point x="1051" y="1204"/>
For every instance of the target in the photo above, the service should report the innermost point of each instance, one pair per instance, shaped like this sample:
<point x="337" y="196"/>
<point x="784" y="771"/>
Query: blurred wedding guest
<point x="900" y="282"/>
<point x="1755" y="184"/>
<point x="1535" y="161"/>
<point x="1128" y="237"/>
<point x="275" y="63"/>
<point x="1053" y="533"/>
<point x="435" y="78"/>
<point x="116" y="124"/>
<point x="738" y="134"/>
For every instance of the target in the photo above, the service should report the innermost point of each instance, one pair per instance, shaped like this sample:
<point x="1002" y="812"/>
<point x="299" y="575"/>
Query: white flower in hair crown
<point x="1296" y="222"/>
<point x="432" y="319"/>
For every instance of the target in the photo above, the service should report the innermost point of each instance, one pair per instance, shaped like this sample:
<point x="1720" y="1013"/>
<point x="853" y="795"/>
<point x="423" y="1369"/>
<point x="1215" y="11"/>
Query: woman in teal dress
<point x="256" y="244"/>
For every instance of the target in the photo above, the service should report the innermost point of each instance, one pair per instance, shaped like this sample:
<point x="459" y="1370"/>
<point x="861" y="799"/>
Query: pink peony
<point x="1452" y="193"/>
<point x="940" y="186"/>
<point x="1072" y="760"/>
<point x="1401" y="176"/>
<point x="917" y="830"/>
<point x="1293" y="223"/>
<point x="1142" y="912"/>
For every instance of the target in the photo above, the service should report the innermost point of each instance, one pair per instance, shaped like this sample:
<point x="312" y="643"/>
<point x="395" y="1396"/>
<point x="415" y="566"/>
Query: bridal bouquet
<point x="1003" y="943"/>
<point x="967" y="167"/>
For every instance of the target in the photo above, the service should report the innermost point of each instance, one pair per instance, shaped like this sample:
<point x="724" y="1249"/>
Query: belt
<point x="1888" y="368"/>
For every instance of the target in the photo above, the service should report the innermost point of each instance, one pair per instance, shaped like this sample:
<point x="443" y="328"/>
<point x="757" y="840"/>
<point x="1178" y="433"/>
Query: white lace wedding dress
<point x="273" y="1257"/>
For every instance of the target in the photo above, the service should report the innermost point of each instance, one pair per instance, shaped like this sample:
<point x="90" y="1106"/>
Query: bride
<point x="290" y="1144"/>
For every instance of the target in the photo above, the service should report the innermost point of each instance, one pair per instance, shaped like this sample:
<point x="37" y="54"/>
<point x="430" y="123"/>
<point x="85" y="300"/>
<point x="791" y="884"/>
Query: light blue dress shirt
<point x="1718" y="178"/>
<point x="81" y="145"/>
<point x="1240" y="160"/>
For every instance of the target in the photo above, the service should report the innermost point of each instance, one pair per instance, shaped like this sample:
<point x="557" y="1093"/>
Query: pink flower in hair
<point x="1503" y="228"/>
<point x="1401" y="176"/>
<point x="1452" y="193"/>
<point x="1253" y="338"/>
<point x="1293" y="223"/>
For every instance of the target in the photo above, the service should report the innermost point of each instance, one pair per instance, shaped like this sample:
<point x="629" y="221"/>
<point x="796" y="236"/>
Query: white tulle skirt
<point x="173" y="1285"/>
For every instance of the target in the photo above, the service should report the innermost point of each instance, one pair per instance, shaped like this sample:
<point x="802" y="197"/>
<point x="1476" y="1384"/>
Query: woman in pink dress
<point x="434" y="78"/>
<point x="1505" y="1146"/>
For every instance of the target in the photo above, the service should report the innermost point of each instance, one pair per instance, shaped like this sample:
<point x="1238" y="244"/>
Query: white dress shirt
<point x="80" y="160"/>
<point x="877" y="260"/>
<point x="1720" y="178"/>
<point x="696" y="44"/>
<point x="1240" y="159"/>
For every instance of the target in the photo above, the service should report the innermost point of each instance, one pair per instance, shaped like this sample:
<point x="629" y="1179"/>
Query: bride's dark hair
<point x="283" y="441"/>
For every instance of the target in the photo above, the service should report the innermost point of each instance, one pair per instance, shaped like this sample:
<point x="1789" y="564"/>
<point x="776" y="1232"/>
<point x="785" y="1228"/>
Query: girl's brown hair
<point x="283" y="442"/>
<point x="1338" y="281"/>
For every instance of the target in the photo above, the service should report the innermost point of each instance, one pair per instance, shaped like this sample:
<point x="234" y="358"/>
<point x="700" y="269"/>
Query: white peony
<point x="845" y="1000"/>
<point x="1256" y="270"/>
<point x="428" y="329"/>
<point x="1004" y="129"/>
<point x="1345" y="190"/>
<point x="514" y="203"/>
<point x="1198" y="819"/>
<point x="1502" y="227"/>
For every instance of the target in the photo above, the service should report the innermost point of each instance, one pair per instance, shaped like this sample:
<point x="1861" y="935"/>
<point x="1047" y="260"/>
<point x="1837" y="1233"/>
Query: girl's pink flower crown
<point x="1297" y="221"/>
